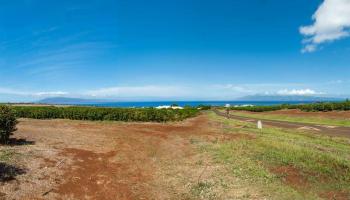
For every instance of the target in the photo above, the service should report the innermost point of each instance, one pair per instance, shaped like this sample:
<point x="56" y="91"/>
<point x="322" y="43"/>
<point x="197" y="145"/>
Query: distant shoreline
<point x="164" y="103"/>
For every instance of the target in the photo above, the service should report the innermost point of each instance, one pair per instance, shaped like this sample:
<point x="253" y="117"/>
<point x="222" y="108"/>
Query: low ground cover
<point x="303" y="119"/>
<point x="288" y="164"/>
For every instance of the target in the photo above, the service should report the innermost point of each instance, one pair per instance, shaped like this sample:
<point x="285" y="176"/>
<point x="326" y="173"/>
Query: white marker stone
<point x="259" y="125"/>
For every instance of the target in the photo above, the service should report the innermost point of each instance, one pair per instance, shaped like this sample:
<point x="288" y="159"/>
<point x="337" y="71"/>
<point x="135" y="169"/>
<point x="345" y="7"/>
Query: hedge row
<point x="7" y="123"/>
<point x="313" y="107"/>
<point x="99" y="114"/>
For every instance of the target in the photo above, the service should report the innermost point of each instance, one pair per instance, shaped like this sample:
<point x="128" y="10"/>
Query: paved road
<point x="323" y="129"/>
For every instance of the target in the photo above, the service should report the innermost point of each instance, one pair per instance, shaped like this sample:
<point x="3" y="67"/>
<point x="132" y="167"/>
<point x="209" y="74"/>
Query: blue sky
<point x="174" y="49"/>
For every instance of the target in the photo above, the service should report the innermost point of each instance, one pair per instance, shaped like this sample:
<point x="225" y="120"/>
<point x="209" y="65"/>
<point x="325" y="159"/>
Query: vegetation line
<point x="297" y="119"/>
<point x="313" y="107"/>
<point x="108" y="114"/>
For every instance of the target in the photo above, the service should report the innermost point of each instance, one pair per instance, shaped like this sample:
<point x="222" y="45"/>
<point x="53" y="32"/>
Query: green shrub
<point x="312" y="107"/>
<point x="110" y="114"/>
<point x="7" y="123"/>
<point x="204" y="107"/>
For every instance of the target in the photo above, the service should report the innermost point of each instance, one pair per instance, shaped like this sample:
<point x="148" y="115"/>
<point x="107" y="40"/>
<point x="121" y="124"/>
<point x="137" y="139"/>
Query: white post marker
<point x="259" y="125"/>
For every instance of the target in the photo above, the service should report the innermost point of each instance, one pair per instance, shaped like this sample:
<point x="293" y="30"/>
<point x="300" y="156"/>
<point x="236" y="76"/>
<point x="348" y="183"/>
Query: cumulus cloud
<point x="301" y="92"/>
<point x="331" y="22"/>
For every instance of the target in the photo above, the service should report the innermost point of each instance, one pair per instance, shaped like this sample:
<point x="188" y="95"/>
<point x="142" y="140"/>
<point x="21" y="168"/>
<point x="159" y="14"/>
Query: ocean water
<point x="192" y="103"/>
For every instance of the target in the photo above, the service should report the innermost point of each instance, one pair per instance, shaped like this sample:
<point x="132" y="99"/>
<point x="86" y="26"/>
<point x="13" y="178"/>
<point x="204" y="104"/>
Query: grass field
<point x="324" y="120"/>
<point x="285" y="164"/>
<point x="205" y="157"/>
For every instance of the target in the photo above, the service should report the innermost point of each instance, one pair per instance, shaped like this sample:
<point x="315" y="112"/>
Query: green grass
<point x="6" y="155"/>
<point x="202" y="190"/>
<point x="322" y="162"/>
<point x="309" y="107"/>
<point x="309" y="120"/>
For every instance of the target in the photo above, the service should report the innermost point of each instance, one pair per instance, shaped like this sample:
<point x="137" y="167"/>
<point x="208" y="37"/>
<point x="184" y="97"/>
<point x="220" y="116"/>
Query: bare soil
<point x="336" y="195"/>
<point x="291" y="176"/>
<point x="62" y="159"/>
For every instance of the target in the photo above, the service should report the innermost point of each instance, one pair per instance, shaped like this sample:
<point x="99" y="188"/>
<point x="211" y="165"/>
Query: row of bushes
<point x="312" y="107"/>
<point x="111" y="114"/>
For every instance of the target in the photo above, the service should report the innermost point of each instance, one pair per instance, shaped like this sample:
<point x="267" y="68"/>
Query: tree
<point x="8" y="123"/>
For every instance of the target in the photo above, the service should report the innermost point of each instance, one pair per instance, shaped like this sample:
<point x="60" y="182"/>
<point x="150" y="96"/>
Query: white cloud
<point x="233" y="88"/>
<point x="336" y="82"/>
<point x="172" y="92"/>
<point x="46" y="94"/>
<point x="10" y="91"/>
<point x="331" y="22"/>
<point x="140" y="91"/>
<point x="301" y="92"/>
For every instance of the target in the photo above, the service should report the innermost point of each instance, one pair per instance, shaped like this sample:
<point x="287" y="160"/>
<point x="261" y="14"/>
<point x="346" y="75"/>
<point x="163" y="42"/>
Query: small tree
<point x="8" y="123"/>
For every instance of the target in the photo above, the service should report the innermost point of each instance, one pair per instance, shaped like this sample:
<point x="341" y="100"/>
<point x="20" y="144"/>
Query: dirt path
<point x="299" y="113"/>
<point x="66" y="159"/>
<point x="322" y="129"/>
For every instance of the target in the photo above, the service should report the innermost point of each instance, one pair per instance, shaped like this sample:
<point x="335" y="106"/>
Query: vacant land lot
<point x="206" y="157"/>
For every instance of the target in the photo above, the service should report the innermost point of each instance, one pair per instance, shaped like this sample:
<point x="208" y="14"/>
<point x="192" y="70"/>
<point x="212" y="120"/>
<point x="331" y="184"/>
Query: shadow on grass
<point x="20" y="142"/>
<point x="9" y="172"/>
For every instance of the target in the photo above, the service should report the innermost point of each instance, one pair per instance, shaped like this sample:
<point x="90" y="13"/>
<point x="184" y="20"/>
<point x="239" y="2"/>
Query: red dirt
<point x="2" y="196"/>
<point x="102" y="160"/>
<point x="96" y="176"/>
<point x="294" y="178"/>
<point x="291" y="176"/>
<point x="336" y="195"/>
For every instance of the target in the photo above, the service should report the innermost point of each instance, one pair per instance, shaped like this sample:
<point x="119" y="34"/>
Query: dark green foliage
<point x="313" y="107"/>
<point x="204" y="107"/>
<point x="7" y="123"/>
<point x="110" y="114"/>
